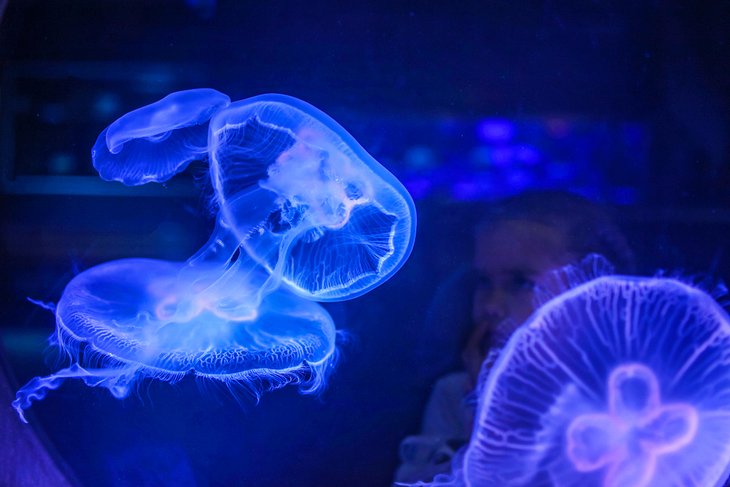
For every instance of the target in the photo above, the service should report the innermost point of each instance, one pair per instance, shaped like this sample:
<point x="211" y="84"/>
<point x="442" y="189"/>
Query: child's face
<point x="511" y="259"/>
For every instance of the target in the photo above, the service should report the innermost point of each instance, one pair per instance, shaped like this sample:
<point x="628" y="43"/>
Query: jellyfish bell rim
<point x="111" y="159"/>
<point x="332" y="125"/>
<point x="369" y="163"/>
<point x="220" y="101"/>
<point x="532" y="322"/>
<point x="330" y="295"/>
<point x="113" y="361"/>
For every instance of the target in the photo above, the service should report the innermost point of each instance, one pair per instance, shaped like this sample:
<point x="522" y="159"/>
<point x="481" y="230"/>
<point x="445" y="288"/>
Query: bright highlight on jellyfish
<point x="305" y="215"/>
<point x="618" y="382"/>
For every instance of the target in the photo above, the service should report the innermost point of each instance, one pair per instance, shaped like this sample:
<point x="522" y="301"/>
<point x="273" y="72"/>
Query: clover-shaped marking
<point x="637" y="429"/>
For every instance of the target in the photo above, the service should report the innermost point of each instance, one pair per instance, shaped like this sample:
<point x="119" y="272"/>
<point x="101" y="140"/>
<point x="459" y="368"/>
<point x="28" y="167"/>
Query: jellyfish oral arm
<point x="116" y="380"/>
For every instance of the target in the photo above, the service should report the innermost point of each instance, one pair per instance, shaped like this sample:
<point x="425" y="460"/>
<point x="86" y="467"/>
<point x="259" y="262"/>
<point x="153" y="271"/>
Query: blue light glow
<point x="305" y="214"/>
<point x="495" y="130"/>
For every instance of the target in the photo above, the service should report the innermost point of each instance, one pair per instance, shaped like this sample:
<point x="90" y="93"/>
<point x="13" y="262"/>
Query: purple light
<point x="558" y="128"/>
<point x="637" y="429"/>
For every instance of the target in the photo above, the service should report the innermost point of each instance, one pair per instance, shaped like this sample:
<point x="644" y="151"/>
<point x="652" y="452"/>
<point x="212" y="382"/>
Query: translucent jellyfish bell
<point x="618" y="382"/>
<point x="155" y="142"/>
<point x="306" y="200"/>
<point x="115" y="322"/>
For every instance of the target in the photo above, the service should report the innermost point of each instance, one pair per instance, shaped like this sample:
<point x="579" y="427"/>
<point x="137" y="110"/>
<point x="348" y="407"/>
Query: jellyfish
<point x="291" y="229"/>
<point x="116" y="318"/>
<point x="333" y="222"/>
<point x="618" y="382"/>
<point x="155" y="142"/>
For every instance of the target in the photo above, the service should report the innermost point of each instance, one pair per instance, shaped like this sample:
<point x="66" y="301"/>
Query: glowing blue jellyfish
<point x="292" y="229"/>
<point x="618" y="382"/>
<point x="332" y="222"/>
<point x="153" y="143"/>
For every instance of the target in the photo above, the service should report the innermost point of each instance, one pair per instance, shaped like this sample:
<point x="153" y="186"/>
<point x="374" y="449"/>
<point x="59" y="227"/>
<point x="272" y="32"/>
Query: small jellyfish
<point x="305" y="215"/>
<point x="155" y="142"/>
<point x="618" y="382"/>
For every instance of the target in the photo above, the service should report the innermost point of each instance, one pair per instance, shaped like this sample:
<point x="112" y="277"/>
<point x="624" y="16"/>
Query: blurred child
<point x="517" y="245"/>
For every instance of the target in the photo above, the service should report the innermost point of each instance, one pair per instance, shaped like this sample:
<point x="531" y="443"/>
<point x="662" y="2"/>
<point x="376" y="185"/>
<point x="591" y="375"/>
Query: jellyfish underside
<point x="242" y="309"/>
<point x="620" y="381"/>
<point x="336" y="225"/>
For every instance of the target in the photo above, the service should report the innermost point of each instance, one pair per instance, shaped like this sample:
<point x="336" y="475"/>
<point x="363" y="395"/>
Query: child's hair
<point x="588" y="227"/>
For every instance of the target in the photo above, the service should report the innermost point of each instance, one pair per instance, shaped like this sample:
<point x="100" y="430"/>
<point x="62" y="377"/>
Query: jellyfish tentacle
<point x="116" y="380"/>
<point x="47" y="305"/>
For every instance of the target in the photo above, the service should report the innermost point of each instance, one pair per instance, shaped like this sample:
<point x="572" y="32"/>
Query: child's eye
<point x="483" y="283"/>
<point x="521" y="282"/>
